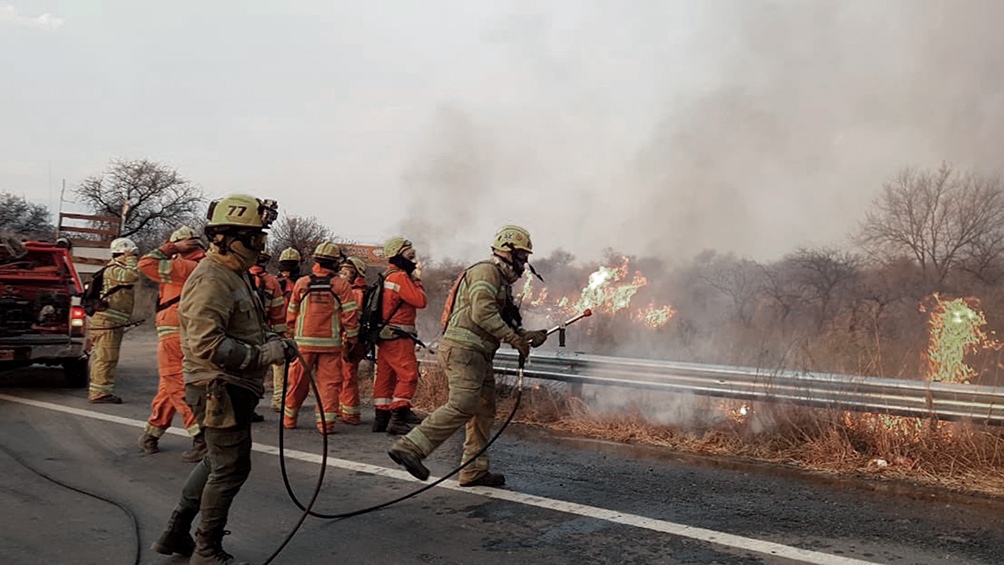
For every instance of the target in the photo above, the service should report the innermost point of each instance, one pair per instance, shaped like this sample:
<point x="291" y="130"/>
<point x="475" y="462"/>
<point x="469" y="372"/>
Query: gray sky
<point x="651" y="127"/>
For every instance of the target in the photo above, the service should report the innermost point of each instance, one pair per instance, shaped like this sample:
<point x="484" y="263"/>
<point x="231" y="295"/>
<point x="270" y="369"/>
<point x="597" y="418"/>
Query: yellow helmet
<point x="241" y="211"/>
<point x="511" y="238"/>
<point x="327" y="250"/>
<point x="183" y="233"/>
<point x="359" y="265"/>
<point x="395" y="246"/>
<point x="122" y="245"/>
<point x="290" y="254"/>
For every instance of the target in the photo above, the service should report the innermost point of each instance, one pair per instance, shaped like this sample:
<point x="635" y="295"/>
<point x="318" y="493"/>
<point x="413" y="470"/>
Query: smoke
<point x="46" y="21"/>
<point x="765" y="127"/>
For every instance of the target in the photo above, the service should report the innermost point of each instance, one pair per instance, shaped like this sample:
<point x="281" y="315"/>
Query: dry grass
<point x="955" y="456"/>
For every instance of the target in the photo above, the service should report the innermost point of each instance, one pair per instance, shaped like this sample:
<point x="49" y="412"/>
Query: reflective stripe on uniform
<point x="392" y="286"/>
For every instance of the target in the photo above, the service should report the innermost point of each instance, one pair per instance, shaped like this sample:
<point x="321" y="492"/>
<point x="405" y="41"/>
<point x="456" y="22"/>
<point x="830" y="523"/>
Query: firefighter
<point x="480" y="314"/>
<point x="353" y="270"/>
<point x="107" y="325"/>
<point x="289" y="273"/>
<point x="170" y="265"/>
<point x="324" y="317"/>
<point x="397" y="366"/>
<point x="270" y="292"/>
<point x="228" y="349"/>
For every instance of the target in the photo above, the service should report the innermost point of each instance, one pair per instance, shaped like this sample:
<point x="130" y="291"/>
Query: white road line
<point x="633" y="520"/>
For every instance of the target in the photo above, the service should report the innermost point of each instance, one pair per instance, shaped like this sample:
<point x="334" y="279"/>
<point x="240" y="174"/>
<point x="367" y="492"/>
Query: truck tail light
<point x="77" y="320"/>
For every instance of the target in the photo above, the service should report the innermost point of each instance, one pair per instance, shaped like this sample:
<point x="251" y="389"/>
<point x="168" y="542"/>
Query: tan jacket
<point x="222" y="325"/>
<point x="120" y="271"/>
<point x="476" y="321"/>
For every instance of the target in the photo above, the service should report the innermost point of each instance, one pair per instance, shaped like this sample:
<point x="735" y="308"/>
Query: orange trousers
<point x="396" y="375"/>
<point x="349" y="395"/>
<point x="327" y="367"/>
<point x="170" y="398"/>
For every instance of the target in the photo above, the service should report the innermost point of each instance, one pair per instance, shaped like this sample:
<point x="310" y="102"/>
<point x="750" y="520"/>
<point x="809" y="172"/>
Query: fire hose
<point x="307" y="510"/>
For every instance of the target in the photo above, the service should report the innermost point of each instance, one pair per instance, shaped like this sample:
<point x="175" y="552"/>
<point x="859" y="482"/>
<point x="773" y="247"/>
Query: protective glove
<point x="169" y="249"/>
<point x="519" y="343"/>
<point x="536" y="337"/>
<point x="290" y="349"/>
<point x="416" y="275"/>
<point x="271" y="353"/>
<point x="276" y="351"/>
<point x="348" y="349"/>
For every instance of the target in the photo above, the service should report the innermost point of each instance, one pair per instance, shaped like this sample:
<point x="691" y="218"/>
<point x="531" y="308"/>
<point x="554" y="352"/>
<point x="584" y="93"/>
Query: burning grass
<point x="957" y="456"/>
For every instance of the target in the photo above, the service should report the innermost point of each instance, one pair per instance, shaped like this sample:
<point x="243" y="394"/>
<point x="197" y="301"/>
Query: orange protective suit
<point x="349" y="395"/>
<point x="397" y="366"/>
<point x="272" y="298"/>
<point x="170" y="270"/>
<point x="324" y="317"/>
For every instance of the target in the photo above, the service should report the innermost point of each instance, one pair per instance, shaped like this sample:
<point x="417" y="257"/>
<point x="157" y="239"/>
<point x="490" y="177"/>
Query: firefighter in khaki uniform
<point x="353" y="270"/>
<point x="480" y="314"/>
<point x="170" y="265"/>
<point x="106" y="327"/>
<point x="325" y="321"/>
<point x="397" y="366"/>
<point x="289" y="273"/>
<point x="228" y="349"/>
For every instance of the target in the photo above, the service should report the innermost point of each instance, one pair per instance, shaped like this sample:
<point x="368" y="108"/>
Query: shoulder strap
<point x="322" y="284"/>
<point x="161" y="306"/>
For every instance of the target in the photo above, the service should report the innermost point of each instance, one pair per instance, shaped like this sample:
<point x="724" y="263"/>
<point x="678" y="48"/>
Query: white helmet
<point x="123" y="245"/>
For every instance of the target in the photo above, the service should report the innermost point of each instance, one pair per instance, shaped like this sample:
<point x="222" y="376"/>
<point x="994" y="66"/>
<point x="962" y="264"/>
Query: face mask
<point x="405" y="265"/>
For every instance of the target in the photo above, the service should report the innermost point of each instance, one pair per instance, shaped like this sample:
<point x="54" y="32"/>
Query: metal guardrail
<point x="820" y="390"/>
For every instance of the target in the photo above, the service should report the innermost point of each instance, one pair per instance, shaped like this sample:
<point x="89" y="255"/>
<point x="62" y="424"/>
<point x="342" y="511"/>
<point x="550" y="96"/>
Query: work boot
<point x="411" y="417"/>
<point x="256" y="417"/>
<point x="198" y="450"/>
<point x="148" y="444"/>
<point x="411" y="462"/>
<point x="209" y="549"/>
<point x="380" y="420"/>
<point x="398" y="425"/>
<point x="485" y="479"/>
<point x="177" y="538"/>
<point x="106" y="399"/>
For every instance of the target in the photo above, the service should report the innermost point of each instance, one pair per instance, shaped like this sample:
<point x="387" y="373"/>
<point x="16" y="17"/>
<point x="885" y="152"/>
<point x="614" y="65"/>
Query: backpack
<point x="371" y="321"/>
<point x="92" y="300"/>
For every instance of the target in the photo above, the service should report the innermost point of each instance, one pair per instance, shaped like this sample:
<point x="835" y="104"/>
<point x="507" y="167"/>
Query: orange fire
<point x="609" y="290"/>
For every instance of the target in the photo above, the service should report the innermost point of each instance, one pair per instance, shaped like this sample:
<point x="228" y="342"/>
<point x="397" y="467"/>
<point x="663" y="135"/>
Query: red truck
<point x="41" y="320"/>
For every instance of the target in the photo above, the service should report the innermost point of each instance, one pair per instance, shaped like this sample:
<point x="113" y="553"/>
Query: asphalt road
<point x="567" y="501"/>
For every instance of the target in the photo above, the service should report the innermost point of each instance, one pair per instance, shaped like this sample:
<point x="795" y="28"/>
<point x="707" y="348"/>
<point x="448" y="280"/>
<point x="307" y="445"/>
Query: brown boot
<point x="209" y="549"/>
<point x="398" y="424"/>
<point x="198" y="450"/>
<point x="410" y="461"/>
<point x="148" y="444"/>
<point x="177" y="537"/>
<point x="380" y="420"/>
<point x="411" y="417"/>
<point x="485" y="479"/>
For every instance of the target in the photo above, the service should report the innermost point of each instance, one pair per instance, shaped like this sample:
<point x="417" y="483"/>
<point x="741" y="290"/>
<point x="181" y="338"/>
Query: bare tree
<point x="302" y="233"/>
<point x="826" y="278"/>
<point x="23" y="218"/>
<point x="151" y="198"/>
<point x="944" y="220"/>
<point x="741" y="280"/>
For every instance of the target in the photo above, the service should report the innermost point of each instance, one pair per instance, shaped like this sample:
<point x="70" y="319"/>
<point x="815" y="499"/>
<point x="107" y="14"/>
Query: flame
<point x="654" y="316"/>
<point x="609" y="290"/>
<point x="736" y="411"/>
<point x="956" y="328"/>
